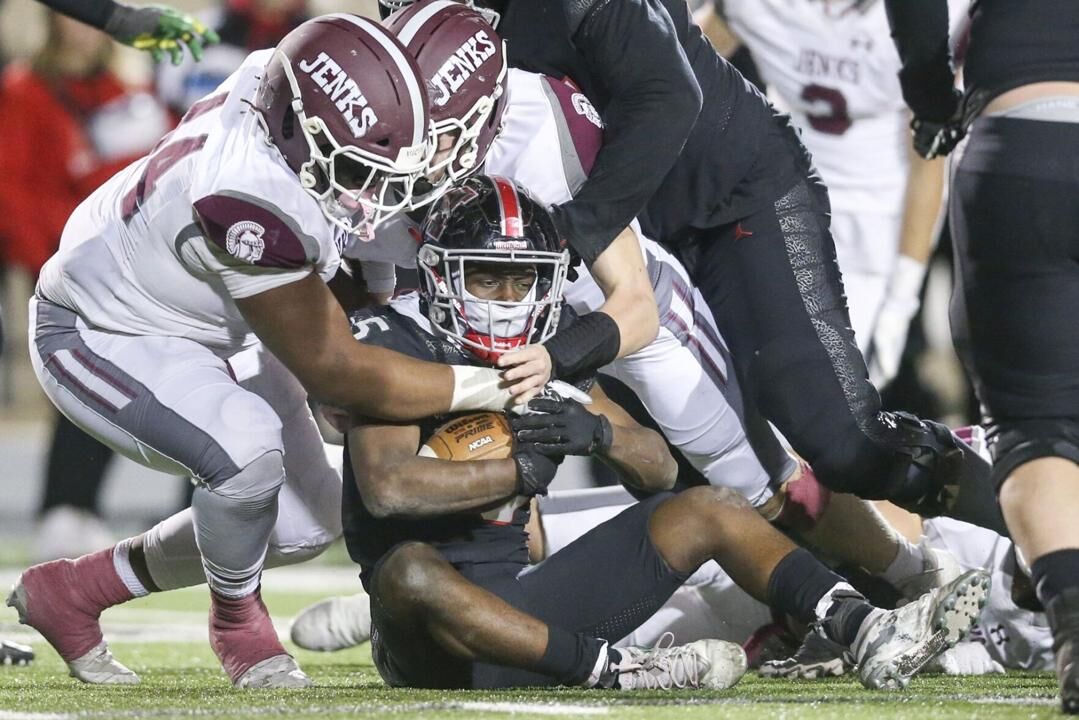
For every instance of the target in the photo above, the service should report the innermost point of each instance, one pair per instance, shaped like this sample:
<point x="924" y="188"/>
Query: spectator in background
<point x="70" y="124"/>
<point x="243" y="27"/>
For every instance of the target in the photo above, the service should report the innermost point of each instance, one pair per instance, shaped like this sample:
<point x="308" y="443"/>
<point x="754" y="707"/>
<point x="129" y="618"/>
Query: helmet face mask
<point x="459" y="147"/>
<point x="343" y="102"/>
<point x="471" y="238"/>
<point x="464" y="67"/>
<point x="355" y="189"/>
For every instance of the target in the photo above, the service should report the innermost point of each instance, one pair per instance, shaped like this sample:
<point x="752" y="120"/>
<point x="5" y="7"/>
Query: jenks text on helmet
<point x="460" y="66"/>
<point x="343" y="90"/>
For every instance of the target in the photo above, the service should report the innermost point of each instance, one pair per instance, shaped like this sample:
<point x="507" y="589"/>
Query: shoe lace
<point x="665" y="667"/>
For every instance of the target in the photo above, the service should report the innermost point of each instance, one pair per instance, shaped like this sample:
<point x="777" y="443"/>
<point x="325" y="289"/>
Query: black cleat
<point x="15" y="654"/>
<point x="945" y="476"/>
<point x="1063" y="613"/>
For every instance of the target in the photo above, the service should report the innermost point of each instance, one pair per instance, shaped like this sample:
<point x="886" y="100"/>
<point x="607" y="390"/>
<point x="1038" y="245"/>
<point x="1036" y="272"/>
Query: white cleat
<point x="99" y="667"/>
<point x="939" y="567"/>
<point x="333" y="624"/>
<point x="704" y="664"/>
<point x="892" y="645"/>
<point x="279" y="672"/>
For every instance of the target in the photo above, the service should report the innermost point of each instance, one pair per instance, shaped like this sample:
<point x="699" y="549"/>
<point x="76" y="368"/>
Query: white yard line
<point x="501" y="708"/>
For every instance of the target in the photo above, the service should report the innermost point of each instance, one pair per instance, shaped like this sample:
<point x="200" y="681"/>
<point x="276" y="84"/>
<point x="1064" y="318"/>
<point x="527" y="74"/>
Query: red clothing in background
<point x="48" y="159"/>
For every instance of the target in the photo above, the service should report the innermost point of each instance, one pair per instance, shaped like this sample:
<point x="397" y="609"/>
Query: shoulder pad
<point x="254" y="232"/>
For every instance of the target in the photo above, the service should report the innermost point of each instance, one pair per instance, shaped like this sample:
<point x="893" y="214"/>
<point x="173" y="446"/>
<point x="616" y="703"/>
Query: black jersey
<point x="1017" y="43"/>
<point x="1011" y="43"/>
<point x="462" y="538"/>
<point x="713" y="179"/>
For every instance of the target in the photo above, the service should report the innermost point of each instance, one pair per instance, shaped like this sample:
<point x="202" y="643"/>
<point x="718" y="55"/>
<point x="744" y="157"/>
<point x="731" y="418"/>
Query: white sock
<point x="909" y="561"/>
<point x="121" y="560"/>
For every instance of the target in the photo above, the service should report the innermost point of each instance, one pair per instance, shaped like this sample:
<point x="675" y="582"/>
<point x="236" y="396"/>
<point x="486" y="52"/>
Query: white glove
<point x="966" y="658"/>
<point x="893" y="321"/>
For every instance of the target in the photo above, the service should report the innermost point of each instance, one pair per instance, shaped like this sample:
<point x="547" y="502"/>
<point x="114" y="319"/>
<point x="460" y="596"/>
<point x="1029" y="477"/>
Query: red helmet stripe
<point x="510" y="206"/>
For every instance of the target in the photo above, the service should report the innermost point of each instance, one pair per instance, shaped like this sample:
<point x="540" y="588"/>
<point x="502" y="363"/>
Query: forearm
<point x="92" y="12"/>
<point x="920" y="31"/>
<point x="306" y="329"/>
<point x="632" y="48"/>
<point x="921" y="208"/>
<point x="427" y="487"/>
<point x="379" y="383"/>
<point x="641" y="457"/>
<point x="627" y="321"/>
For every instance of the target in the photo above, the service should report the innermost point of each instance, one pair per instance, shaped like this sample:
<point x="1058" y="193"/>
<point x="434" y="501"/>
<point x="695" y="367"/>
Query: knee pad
<point x="1017" y="442"/>
<point x="259" y="480"/>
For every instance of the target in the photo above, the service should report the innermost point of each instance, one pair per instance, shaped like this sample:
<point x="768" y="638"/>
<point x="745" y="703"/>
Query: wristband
<point x="584" y="346"/>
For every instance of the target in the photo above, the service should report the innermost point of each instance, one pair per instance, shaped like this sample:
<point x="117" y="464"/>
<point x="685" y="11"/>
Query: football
<point x="482" y="436"/>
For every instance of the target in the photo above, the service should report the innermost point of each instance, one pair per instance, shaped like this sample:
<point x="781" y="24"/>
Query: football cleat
<point x="12" y="653"/>
<point x="893" y="645"/>
<point x="244" y="640"/>
<point x="1063" y="613"/>
<point x="704" y="664"/>
<point x="818" y="657"/>
<point x="279" y="672"/>
<point x="63" y="601"/>
<point x="333" y="624"/>
<point x="939" y="567"/>
<point x="99" y="667"/>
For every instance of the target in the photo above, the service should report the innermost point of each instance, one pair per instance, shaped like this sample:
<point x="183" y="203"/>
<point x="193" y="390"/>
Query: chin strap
<point x="487" y="349"/>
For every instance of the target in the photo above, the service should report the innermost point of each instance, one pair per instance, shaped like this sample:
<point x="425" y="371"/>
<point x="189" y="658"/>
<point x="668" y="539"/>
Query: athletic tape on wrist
<point x="478" y="388"/>
<point x="585" y="346"/>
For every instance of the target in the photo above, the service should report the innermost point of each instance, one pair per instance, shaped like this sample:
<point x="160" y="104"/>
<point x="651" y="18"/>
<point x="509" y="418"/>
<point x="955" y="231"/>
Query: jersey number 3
<point x="836" y="120"/>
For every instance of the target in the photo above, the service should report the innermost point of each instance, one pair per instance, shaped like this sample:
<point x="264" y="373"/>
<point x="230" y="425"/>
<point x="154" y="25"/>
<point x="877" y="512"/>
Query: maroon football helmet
<point x="463" y="64"/>
<point x="343" y="101"/>
<point x="385" y="7"/>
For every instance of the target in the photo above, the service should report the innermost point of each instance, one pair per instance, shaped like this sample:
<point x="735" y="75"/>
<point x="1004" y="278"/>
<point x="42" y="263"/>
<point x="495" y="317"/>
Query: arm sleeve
<point x="920" y="32"/>
<point x="633" y="50"/>
<point x="92" y="12"/>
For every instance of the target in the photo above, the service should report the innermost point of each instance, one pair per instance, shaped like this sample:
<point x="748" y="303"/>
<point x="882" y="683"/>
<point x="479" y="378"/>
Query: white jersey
<point x="550" y="135"/>
<point x="1016" y="638"/>
<point x="834" y="68"/>
<point x="212" y="215"/>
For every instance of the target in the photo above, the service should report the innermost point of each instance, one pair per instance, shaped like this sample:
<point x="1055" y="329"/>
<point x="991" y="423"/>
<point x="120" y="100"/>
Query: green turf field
<point x="163" y="639"/>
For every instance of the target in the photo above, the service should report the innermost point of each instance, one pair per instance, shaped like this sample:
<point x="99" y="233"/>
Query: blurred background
<point x="74" y="108"/>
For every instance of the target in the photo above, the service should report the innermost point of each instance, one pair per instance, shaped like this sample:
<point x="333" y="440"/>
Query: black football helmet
<point x="488" y="220"/>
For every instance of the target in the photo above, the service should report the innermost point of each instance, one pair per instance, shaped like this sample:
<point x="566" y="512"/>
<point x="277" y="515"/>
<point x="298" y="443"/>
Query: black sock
<point x="1054" y="573"/>
<point x="569" y="657"/>
<point x="798" y="583"/>
<point x="845" y="617"/>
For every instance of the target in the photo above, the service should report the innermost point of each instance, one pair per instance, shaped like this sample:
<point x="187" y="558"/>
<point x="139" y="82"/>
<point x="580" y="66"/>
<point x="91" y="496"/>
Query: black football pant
<point x="1014" y="218"/>
<point x="772" y="281"/>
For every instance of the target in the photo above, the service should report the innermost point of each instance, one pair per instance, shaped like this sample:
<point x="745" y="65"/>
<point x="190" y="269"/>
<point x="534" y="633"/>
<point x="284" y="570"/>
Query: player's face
<point x="500" y="282"/>
<point x="446" y="142"/>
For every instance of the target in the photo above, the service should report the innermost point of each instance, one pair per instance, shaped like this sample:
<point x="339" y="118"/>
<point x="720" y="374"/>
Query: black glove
<point x="563" y="427"/>
<point x="535" y="471"/>
<point x="934" y="139"/>
<point x="937" y="138"/>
